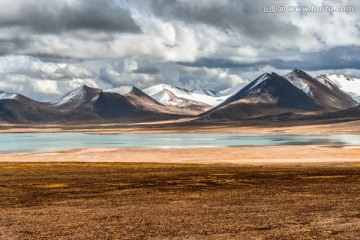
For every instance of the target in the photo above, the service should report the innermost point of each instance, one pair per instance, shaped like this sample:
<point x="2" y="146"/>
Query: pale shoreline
<point x="264" y="155"/>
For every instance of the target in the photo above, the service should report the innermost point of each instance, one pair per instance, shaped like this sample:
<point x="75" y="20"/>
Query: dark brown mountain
<point x="331" y="97"/>
<point x="269" y="94"/>
<point x="16" y="108"/>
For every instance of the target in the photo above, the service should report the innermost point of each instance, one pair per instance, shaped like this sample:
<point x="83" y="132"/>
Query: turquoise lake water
<point x="31" y="142"/>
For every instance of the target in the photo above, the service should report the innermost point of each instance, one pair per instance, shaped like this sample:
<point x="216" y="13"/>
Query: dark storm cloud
<point x="147" y="70"/>
<point x="243" y="17"/>
<point x="334" y="58"/>
<point x="8" y="46"/>
<point x="217" y="63"/>
<point x="56" y="16"/>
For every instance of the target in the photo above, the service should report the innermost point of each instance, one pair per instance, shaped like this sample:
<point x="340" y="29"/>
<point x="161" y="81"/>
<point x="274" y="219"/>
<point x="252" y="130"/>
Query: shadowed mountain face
<point x="330" y="97"/>
<point x="270" y="94"/>
<point x="20" y="109"/>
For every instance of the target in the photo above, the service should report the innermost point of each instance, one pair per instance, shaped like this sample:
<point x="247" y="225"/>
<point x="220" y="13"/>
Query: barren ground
<point x="178" y="201"/>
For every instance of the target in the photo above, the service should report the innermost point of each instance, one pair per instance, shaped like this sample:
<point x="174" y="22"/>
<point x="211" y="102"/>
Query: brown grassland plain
<point x="178" y="201"/>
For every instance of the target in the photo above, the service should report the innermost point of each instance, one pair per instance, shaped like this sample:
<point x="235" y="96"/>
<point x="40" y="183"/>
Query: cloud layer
<point x="49" y="47"/>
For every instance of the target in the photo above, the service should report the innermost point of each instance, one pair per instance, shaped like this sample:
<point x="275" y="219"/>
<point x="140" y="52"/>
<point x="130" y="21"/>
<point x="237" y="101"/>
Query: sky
<point x="50" y="47"/>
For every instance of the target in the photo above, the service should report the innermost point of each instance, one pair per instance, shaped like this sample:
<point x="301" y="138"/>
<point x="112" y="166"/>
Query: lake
<point x="32" y="142"/>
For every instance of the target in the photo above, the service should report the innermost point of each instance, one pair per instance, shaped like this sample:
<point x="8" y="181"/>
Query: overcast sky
<point x="49" y="47"/>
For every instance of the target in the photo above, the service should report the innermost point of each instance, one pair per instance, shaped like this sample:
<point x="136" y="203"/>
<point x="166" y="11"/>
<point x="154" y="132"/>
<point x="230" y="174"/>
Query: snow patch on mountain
<point x="75" y="97"/>
<point x="261" y="79"/>
<point x="162" y="93"/>
<point x="324" y="82"/>
<point x="347" y="84"/>
<point x="4" y="95"/>
<point x="299" y="83"/>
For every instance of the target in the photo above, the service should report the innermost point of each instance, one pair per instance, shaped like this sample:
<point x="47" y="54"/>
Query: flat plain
<point x="178" y="201"/>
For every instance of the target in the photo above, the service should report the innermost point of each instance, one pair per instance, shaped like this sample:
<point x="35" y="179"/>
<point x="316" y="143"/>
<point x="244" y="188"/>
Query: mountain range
<point x="269" y="95"/>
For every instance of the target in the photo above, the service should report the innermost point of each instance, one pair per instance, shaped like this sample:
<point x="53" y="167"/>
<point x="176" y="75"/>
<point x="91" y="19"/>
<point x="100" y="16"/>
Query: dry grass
<point x="178" y="201"/>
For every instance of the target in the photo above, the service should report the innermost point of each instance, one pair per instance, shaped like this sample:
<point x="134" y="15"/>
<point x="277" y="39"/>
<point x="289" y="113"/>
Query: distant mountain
<point x="131" y="103"/>
<point x="329" y="96"/>
<point x="126" y="103"/>
<point x="180" y="97"/>
<point x="17" y="108"/>
<point x="169" y="95"/>
<point x="347" y="84"/>
<point x="87" y="104"/>
<point x="269" y="94"/>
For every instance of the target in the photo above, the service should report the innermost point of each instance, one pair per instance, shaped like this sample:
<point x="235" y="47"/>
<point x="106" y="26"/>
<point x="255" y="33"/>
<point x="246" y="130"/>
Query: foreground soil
<point x="178" y="201"/>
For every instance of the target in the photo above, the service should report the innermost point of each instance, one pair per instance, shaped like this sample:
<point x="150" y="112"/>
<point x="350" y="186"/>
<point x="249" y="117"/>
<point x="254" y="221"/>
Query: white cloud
<point x="40" y="89"/>
<point x="41" y="80"/>
<point x="123" y="73"/>
<point x="30" y="66"/>
<point x="205" y="78"/>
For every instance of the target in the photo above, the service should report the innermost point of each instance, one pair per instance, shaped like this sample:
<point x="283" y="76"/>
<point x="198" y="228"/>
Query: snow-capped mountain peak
<point x="79" y="96"/>
<point x="259" y="80"/>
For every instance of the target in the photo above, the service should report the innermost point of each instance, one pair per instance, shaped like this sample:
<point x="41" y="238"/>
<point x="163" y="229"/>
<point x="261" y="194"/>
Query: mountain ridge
<point x="328" y="96"/>
<point x="268" y="95"/>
